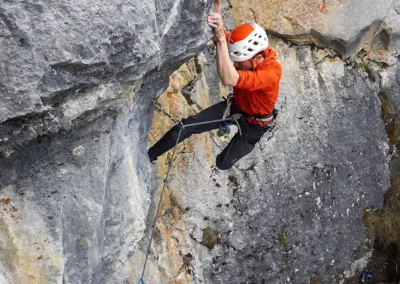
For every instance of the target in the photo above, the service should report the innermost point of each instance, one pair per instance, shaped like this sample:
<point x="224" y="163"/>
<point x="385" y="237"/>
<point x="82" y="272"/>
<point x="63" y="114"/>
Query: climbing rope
<point x="141" y="281"/>
<point x="227" y="113"/>
<point x="182" y="126"/>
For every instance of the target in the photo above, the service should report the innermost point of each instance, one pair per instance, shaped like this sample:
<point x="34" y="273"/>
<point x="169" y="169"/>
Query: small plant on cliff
<point x="282" y="238"/>
<point x="385" y="223"/>
<point x="389" y="115"/>
<point x="364" y="65"/>
<point x="233" y="180"/>
<point x="210" y="238"/>
<point x="315" y="280"/>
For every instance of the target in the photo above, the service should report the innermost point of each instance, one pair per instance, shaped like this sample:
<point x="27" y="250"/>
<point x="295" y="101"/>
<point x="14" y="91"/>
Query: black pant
<point x="238" y="147"/>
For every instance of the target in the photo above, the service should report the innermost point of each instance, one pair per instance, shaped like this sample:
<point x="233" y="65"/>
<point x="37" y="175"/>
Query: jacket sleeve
<point x="266" y="79"/>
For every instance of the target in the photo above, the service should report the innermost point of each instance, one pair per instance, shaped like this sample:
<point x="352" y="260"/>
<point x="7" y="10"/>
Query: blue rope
<point x="141" y="281"/>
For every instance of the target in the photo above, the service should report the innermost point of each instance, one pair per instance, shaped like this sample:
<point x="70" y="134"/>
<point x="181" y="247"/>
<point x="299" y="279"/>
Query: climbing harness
<point x="261" y="118"/>
<point x="270" y="117"/>
<point x="236" y="116"/>
<point x="182" y="126"/>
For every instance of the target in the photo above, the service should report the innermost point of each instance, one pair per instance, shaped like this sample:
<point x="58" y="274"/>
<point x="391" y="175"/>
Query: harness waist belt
<point x="261" y="118"/>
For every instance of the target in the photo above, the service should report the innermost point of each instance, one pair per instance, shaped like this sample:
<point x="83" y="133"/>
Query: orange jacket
<point x="256" y="91"/>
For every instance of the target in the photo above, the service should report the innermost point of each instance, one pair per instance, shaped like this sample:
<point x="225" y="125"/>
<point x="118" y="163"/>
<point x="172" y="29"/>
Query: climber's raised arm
<point x="217" y="6"/>
<point x="226" y="71"/>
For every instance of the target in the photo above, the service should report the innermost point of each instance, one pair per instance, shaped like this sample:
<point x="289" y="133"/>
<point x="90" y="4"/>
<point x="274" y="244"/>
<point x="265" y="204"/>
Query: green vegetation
<point x="315" y="280"/>
<point x="385" y="223"/>
<point x="167" y="211"/>
<point x="210" y="238"/>
<point x="282" y="238"/>
<point x="364" y="65"/>
<point x="389" y="115"/>
<point x="233" y="180"/>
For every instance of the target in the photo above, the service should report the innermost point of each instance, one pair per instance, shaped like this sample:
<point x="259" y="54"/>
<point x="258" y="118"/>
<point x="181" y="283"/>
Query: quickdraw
<point x="158" y="107"/>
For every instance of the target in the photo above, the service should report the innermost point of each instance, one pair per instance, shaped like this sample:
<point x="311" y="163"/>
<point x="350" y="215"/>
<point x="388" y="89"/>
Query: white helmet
<point x="246" y="40"/>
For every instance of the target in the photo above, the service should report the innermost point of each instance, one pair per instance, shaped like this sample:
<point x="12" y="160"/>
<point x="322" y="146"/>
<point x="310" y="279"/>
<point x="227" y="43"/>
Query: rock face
<point x="76" y="82"/>
<point x="60" y="61"/>
<point x="292" y="209"/>
<point x="345" y="26"/>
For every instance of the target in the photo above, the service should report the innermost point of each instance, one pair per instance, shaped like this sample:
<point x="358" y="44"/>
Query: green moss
<point x="364" y="65"/>
<point x="167" y="211"/>
<point x="282" y="238"/>
<point x="385" y="223"/>
<point x="233" y="180"/>
<point x="389" y="116"/>
<point x="210" y="238"/>
<point x="315" y="280"/>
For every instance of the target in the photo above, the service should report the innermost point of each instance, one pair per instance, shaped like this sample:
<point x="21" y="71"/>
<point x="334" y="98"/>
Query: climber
<point x="254" y="76"/>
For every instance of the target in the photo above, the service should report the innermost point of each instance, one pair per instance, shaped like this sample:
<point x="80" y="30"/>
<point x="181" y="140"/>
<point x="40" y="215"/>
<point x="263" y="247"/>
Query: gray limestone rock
<point x="60" y="61"/>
